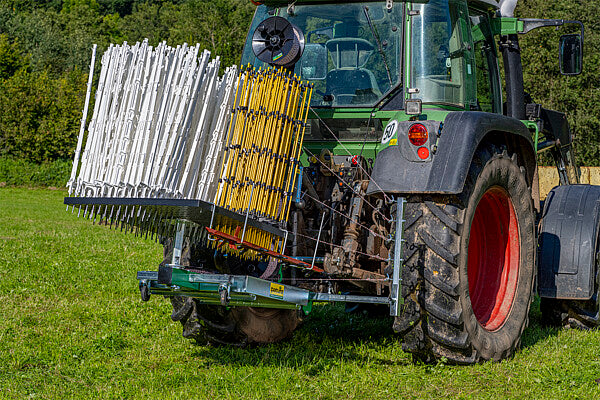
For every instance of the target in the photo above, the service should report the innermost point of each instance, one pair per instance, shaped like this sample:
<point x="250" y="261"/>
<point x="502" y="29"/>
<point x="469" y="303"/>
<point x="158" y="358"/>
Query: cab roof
<point x="489" y="4"/>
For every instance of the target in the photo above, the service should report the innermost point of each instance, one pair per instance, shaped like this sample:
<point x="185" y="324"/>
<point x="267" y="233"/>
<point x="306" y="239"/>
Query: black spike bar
<point x="159" y="217"/>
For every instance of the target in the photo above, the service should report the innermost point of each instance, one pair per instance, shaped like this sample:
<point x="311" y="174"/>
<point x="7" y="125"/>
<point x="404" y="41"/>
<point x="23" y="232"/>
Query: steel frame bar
<point x="396" y="289"/>
<point x="242" y="290"/>
<point x="196" y="211"/>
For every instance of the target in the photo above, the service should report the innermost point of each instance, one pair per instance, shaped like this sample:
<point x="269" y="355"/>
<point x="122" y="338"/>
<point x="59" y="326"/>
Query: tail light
<point x="417" y="134"/>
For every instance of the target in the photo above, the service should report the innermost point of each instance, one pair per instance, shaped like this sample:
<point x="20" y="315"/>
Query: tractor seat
<point x="349" y="82"/>
<point x="352" y="86"/>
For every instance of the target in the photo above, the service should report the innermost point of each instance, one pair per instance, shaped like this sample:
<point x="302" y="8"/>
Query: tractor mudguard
<point x="460" y="136"/>
<point x="568" y="242"/>
<point x="556" y="125"/>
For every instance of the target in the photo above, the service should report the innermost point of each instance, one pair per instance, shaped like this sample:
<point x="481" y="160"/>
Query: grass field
<point x="72" y="326"/>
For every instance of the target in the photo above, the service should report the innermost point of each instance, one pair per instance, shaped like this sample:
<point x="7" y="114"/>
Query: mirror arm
<point x="533" y="23"/>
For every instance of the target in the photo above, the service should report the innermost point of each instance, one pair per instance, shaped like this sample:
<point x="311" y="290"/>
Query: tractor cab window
<point x="441" y="55"/>
<point x="352" y="52"/>
<point x="489" y="92"/>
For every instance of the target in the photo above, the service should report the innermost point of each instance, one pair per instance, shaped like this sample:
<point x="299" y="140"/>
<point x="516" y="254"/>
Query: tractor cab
<point x="438" y="53"/>
<point x="363" y="54"/>
<point x="351" y="53"/>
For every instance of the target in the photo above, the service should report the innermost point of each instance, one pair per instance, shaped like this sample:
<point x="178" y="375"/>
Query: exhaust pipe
<point x="507" y="8"/>
<point x="511" y="54"/>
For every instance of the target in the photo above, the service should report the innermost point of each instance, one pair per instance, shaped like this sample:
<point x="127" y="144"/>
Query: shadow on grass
<point x="329" y="337"/>
<point x="537" y="330"/>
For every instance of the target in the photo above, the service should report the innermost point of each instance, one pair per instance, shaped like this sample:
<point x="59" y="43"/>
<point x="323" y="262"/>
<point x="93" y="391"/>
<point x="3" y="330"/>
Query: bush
<point x="45" y="46"/>
<point x="10" y="58"/>
<point x="577" y="96"/>
<point x="40" y="116"/>
<point x="18" y="172"/>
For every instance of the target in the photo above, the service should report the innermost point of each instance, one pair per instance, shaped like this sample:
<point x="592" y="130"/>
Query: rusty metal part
<point x="234" y="242"/>
<point x="378" y="279"/>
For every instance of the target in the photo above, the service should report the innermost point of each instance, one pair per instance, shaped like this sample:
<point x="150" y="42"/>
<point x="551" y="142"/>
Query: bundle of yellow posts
<point x="262" y="153"/>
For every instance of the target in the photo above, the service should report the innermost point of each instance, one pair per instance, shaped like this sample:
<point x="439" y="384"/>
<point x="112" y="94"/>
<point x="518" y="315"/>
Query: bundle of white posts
<point x="158" y="127"/>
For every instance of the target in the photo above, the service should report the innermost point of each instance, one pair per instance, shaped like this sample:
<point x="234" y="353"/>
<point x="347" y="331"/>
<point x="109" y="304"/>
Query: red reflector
<point x="423" y="153"/>
<point x="417" y="134"/>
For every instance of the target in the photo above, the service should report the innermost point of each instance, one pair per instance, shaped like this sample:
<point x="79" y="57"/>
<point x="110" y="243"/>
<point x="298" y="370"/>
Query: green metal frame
<point x="504" y="26"/>
<point x="249" y="291"/>
<point x="241" y="290"/>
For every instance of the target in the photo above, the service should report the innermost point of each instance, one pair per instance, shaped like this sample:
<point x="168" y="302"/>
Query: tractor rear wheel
<point x="469" y="265"/>
<point x="233" y="326"/>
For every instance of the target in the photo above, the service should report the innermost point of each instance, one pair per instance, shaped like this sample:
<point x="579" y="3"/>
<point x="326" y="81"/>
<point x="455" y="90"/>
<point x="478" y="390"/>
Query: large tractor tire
<point x="469" y="267"/>
<point x="233" y="326"/>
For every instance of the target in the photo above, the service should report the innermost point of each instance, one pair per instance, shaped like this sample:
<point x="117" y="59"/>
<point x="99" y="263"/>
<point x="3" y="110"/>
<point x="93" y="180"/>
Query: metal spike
<point x="147" y="222"/>
<point x="153" y="225"/>
<point x="101" y="210"/>
<point x="131" y="219"/>
<point x="112" y="216"/>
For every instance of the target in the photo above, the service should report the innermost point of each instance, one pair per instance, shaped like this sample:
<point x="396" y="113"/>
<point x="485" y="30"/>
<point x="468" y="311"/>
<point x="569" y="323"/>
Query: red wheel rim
<point x="493" y="258"/>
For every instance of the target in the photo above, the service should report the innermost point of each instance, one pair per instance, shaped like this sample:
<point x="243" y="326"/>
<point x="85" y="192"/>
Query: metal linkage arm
<point x="237" y="290"/>
<point x="396" y="289"/>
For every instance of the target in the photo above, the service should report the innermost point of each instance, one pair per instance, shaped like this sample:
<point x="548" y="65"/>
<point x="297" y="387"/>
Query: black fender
<point x="568" y="242"/>
<point x="451" y="154"/>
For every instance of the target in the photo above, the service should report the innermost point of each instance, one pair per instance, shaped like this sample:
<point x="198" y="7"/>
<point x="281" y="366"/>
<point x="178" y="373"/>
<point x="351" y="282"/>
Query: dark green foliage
<point x="18" y="172"/>
<point x="577" y="96"/>
<point x="45" y="52"/>
<point x="40" y="115"/>
<point x="45" y="49"/>
<point x="57" y="41"/>
<point x="10" y="58"/>
<point x="219" y="26"/>
<point x="29" y="5"/>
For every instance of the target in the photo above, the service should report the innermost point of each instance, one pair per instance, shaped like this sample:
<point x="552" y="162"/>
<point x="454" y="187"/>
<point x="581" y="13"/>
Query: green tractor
<point x="408" y="104"/>
<point x="416" y="190"/>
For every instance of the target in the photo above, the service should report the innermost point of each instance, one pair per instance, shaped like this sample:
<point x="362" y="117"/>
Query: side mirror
<point x="313" y="64"/>
<point x="571" y="54"/>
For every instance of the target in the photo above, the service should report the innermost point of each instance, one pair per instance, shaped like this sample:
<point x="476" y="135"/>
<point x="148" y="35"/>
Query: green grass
<point x="72" y="326"/>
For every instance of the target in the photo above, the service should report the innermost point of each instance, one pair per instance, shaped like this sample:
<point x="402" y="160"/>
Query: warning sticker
<point x="277" y="291"/>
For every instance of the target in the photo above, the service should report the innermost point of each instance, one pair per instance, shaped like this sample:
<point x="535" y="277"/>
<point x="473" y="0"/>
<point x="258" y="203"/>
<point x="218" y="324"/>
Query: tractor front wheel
<point x="233" y="326"/>
<point x="238" y="326"/>
<point x="470" y="265"/>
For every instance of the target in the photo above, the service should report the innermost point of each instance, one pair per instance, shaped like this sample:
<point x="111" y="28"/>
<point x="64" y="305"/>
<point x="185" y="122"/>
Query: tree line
<point x="45" y="49"/>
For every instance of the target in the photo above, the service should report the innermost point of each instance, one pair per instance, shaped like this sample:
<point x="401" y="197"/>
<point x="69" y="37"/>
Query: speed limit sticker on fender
<point x="389" y="132"/>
